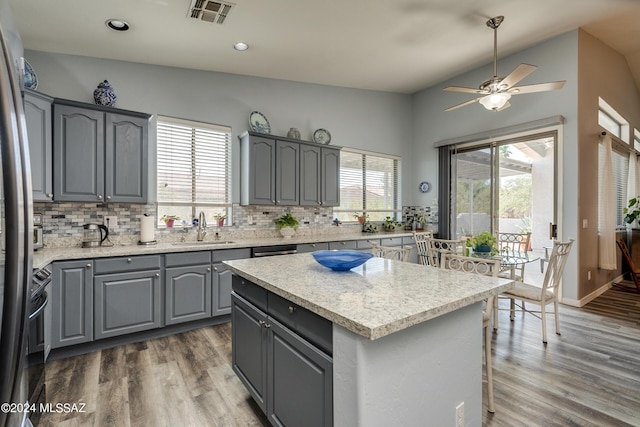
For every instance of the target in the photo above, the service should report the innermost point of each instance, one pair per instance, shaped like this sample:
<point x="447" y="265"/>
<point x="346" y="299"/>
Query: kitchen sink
<point x="215" y="242"/>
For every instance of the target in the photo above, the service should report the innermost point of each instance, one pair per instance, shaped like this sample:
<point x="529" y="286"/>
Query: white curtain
<point x="633" y="176"/>
<point x="607" y="237"/>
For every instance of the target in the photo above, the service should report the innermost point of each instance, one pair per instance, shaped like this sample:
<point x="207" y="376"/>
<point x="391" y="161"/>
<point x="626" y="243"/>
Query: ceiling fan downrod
<point x="495" y="23"/>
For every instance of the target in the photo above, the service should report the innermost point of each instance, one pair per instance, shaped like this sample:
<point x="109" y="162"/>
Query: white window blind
<point x="620" y="175"/>
<point x="194" y="169"/>
<point x="368" y="183"/>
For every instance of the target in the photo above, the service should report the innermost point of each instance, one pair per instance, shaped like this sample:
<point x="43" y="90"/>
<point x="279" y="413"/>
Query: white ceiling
<point x="396" y="45"/>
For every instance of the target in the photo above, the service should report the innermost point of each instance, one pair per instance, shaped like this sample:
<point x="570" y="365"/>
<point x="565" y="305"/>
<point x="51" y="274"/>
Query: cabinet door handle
<point x="216" y="269"/>
<point x="108" y="197"/>
<point x="208" y="268"/>
<point x="99" y="196"/>
<point x="128" y="259"/>
<point x="343" y="243"/>
<point x="261" y="322"/>
<point x="50" y="195"/>
<point x="88" y="265"/>
<point x="313" y="245"/>
<point x="266" y="325"/>
<point x="291" y="309"/>
<point x="157" y="274"/>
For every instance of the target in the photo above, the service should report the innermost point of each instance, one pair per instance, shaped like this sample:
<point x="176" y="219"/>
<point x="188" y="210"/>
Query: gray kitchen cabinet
<point x="319" y="176"/>
<point x="279" y="349"/>
<point x="127" y="295"/>
<point x="312" y="247"/>
<point x="269" y="171"/>
<point x="187" y="279"/>
<point x="99" y="154"/>
<point x="71" y="303"/>
<point x="344" y="244"/>
<point x="37" y="112"/>
<point x="222" y="279"/>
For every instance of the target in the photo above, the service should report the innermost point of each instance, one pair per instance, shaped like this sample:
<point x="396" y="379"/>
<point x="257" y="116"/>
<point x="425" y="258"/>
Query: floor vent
<point x="209" y="11"/>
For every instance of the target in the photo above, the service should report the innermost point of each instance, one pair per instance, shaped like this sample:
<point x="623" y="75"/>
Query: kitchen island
<point x="406" y="338"/>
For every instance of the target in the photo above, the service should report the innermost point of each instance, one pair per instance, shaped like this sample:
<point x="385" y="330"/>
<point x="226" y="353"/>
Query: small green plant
<point x="287" y="220"/>
<point x="367" y="227"/>
<point x="484" y="238"/>
<point x="167" y="218"/>
<point x="632" y="211"/>
<point x="390" y="224"/>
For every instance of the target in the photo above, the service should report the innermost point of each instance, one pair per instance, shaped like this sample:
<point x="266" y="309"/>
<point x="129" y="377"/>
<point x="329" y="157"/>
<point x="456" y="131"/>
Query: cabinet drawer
<point x="391" y="241"/>
<point x="366" y="244"/>
<point x="315" y="328"/>
<point x="229" y="254"/>
<point x="122" y="264"/>
<point x="408" y="241"/>
<point x="250" y="291"/>
<point x="187" y="258"/>
<point x="346" y="244"/>
<point x="312" y="247"/>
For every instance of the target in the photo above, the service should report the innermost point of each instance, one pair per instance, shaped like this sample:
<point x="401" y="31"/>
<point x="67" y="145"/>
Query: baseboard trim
<point x="593" y="295"/>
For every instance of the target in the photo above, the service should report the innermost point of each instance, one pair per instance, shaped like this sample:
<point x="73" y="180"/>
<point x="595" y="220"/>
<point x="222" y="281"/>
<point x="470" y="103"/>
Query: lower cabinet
<point x="187" y="287"/>
<point x="127" y="303"/>
<point x="71" y="303"/>
<point x="221" y="280"/>
<point x="289" y="377"/>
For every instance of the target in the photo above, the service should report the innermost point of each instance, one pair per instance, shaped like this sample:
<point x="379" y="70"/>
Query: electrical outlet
<point x="585" y="223"/>
<point x="589" y="275"/>
<point x="460" y="415"/>
<point x="250" y="220"/>
<point x="110" y="221"/>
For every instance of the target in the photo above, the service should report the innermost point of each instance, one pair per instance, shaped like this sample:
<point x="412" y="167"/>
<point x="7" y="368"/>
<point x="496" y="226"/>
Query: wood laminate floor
<point x="588" y="376"/>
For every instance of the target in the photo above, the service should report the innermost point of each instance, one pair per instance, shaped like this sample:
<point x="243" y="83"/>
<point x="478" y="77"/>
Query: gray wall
<point x="556" y="59"/>
<point x="367" y="120"/>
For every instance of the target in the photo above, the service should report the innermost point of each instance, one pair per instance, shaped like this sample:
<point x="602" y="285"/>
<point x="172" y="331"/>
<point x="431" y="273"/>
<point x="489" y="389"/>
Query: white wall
<point x="368" y="120"/>
<point x="557" y="59"/>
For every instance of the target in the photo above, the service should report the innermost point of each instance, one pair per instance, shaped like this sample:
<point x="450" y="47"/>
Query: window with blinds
<point x="193" y="170"/>
<point x="369" y="183"/>
<point x="620" y="161"/>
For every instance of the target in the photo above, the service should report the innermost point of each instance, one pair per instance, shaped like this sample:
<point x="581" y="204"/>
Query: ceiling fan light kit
<point x="498" y="90"/>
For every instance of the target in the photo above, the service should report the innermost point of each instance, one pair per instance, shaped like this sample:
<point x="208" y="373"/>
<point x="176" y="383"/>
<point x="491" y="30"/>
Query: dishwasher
<point x="263" y="251"/>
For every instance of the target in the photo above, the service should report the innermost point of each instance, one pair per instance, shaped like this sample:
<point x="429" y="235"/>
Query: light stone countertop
<point x="373" y="300"/>
<point x="43" y="257"/>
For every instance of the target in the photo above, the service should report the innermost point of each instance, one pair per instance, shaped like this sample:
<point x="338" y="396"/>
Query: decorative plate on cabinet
<point x="424" y="186"/>
<point x="259" y="123"/>
<point x="322" y="136"/>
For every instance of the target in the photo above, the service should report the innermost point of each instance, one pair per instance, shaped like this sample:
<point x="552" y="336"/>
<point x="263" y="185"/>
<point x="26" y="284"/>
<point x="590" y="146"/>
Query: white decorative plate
<point x="30" y="78"/>
<point x="322" y="136"/>
<point x="259" y="123"/>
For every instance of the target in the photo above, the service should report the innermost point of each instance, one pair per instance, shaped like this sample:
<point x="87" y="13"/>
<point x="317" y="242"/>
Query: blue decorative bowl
<point x="342" y="260"/>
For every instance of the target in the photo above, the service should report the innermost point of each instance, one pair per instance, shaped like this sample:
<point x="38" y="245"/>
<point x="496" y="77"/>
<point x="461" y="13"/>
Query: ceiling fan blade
<point x="521" y="71"/>
<point x="462" y="89"/>
<point x="505" y="106"/>
<point x="542" y="87"/>
<point x="471" y="101"/>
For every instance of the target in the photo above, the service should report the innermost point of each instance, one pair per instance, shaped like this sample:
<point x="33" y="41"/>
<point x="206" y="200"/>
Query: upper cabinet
<point x="37" y="112"/>
<point x="100" y="154"/>
<point x="284" y="171"/>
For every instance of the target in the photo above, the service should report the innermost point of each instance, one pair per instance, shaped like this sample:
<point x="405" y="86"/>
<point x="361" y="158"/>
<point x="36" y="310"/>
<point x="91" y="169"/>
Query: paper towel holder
<point x="150" y="242"/>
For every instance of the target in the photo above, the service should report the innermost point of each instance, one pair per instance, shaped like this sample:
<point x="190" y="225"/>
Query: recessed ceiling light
<point x="241" y="46"/>
<point x="117" y="24"/>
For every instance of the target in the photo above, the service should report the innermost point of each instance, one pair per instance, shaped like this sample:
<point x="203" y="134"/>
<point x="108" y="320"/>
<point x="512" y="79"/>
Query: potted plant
<point x="169" y="220"/>
<point x="389" y="224"/>
<point x="220" y="219"/>
<point x="287" y="224"/>
<point x="361" y="217"/>
<point x="483" y="243"/>
<point x="632" y="211"/>
<point x="421" y="220"/>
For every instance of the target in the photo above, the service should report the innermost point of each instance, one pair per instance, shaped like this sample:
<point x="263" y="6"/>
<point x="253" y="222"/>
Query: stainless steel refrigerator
<point x="16" y="228"/>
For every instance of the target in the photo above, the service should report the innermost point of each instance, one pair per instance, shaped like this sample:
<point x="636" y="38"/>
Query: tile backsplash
<point x="63" y="222"/>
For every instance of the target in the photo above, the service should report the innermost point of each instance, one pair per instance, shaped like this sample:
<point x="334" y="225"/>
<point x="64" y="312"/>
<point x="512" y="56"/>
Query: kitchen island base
<point x="414" y="377"/>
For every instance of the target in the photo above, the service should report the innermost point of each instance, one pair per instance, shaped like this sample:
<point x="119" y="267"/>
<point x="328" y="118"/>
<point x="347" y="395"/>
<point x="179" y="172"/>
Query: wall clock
<point x="424" y="186"/>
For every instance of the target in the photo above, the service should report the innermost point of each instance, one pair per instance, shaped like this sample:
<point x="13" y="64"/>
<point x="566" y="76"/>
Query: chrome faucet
<point x="202" y="226"/>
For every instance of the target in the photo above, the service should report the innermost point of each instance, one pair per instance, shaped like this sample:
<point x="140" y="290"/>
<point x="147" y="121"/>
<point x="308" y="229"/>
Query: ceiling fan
<point x="498" y="90"/>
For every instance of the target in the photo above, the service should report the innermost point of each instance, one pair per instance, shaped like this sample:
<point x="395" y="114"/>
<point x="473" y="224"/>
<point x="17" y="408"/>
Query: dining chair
<point x="398" y="253"/>
<point x="486" y="267"/>
<point x="546" y="294"/>
<point x="422" y="244"/>
<point x="514" y="244"/>
<point x="436" y="247"/>
<point x="634" y="271"/>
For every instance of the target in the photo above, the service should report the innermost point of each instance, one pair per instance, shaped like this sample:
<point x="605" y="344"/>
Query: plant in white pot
<point x="287" y="224"/>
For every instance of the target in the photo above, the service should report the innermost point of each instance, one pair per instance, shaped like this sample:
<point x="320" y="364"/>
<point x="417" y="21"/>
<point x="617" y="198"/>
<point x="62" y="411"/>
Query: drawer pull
<point x="216" y="269"/>
<point x="157" y="274"/>
<point x="108" y="197"/>
<point x="99" y="196"/>
<point x="208" y="268"/>
<point x="291" y="309"/>
<point x="89" y="265"/>
<point x="128" y="259"/>
<point x="342" y="243"/>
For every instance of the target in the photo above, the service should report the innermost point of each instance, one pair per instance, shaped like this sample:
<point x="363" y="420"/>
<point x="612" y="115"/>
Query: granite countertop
<point x="374" y="300"/>
<point x="43" y="257"/>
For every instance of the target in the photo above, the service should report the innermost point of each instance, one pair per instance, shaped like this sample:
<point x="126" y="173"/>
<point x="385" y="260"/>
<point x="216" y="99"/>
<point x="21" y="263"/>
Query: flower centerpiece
<point x="220" y="219"/>
<point x="484" y="243"/>
<point x="389" y="224"/>
<point x="169" y="220"/>
<point x="287" y="224"/>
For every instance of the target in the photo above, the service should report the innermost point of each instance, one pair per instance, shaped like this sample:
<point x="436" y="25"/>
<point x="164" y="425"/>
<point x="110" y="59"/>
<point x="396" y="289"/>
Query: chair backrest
<point x="514" y="242"/>
<point x="557" y="260"/>
<point x="436" y="247"/>
<point x="422" y="244"/>
<point x="398" y="253"/>
<point x="482" y="266"/>
<point x="627" y="257"/>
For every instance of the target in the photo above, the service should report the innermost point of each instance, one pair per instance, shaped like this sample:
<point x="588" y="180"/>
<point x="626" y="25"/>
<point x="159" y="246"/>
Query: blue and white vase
<point x="104" y="95"/>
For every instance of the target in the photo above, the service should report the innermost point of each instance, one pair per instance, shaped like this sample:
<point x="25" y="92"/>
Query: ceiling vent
<point x="209" y="11"/>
